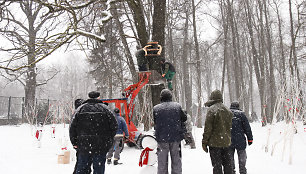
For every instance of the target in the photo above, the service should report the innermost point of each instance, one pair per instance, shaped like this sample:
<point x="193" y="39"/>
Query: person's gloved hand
<point x="250" y="142"/>
<point x="163" y="75"/>
<point x="204" y="147"/>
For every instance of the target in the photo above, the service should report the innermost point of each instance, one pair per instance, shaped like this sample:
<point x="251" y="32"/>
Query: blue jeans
<point x="85" y="160"/>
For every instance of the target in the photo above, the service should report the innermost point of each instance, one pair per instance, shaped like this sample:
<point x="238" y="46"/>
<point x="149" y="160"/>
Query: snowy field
<point x="19" y="153"/>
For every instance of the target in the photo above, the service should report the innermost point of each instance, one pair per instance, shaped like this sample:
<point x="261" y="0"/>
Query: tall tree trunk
<point x="158" y="35"/>
<point x="170" y="48"/>
<point x="128" y="54"/>
<point x="225" y="42"/>
<point x="257" y="64"/>
<point x="281" y="46"/>
<point x="230" y="81"/>
<point x="188" y="92"/>
<point x="30" y="87"/>
<point x="137" y="9"/>
<point x="272" y="85"/>
<point x="139" y="20"/>
<point x="198" y="66"/>
<point x="111" y="76"/>
<point x="293" y="55"/>
<point x="236" y="67"/>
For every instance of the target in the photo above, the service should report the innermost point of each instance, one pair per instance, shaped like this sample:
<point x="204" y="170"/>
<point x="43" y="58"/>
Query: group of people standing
<point x="96" y="132"/>
<point x="224" y="133"/>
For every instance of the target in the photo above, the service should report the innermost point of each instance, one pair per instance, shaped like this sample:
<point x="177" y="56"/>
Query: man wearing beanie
<point x="240" y="129"/>
<point x="92" y="131"/>
<point x="169" y="120"/>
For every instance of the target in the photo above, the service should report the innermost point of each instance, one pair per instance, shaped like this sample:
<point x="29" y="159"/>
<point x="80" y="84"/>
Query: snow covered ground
<point x="19" y="153"/>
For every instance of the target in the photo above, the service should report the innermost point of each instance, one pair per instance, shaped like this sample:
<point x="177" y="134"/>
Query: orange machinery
<point x="128" y="106"/>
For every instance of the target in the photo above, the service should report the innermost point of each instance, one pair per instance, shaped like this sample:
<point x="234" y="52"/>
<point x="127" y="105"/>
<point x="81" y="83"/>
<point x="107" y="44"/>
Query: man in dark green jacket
<point x="217" y="133"/>
<point x="168" y="72"/>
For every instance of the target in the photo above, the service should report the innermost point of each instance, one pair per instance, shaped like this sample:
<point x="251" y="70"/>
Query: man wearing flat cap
<point x="92" y="131"/>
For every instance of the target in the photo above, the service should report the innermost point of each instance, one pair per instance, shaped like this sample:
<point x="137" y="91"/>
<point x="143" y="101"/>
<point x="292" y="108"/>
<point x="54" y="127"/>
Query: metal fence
<point x="12" y="111"/>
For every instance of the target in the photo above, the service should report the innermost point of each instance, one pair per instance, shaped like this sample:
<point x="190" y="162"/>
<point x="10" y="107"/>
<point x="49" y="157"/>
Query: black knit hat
<point x="235" y="105"/>
<point x="93" y="94"/>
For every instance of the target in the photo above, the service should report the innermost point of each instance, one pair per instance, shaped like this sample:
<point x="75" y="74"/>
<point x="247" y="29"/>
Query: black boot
<point x="109" y="161"/>
<point x="116" y="162"/>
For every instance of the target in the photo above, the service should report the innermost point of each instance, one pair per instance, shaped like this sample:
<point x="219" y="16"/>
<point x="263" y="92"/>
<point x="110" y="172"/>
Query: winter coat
<point x="169" y="119"/>
<point x="240" y="128"/>
<point x="122" y="127"/>
<point x="188" y="124"/>
<point x="93" y="127"/>
<point x="140" y="56"/>
<point x="218" y="123"/>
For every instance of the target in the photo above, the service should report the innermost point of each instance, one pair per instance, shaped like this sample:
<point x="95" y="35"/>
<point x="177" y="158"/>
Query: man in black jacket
<point x="240" y="128"/>
<point x="92" y="130"/>
<point x="169" y="120"/>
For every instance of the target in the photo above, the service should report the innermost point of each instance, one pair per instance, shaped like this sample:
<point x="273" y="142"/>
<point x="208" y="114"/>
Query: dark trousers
<point x="76" y="163"/>
<point x="242" y="157"/>
<point x="85" y="160"/>
<point x="221" y="157"/>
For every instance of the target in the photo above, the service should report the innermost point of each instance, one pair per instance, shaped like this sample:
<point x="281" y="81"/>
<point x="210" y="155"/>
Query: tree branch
<point x="46" y="81"/>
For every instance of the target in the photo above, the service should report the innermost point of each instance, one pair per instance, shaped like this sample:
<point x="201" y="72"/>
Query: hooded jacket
<point x="218" y="123"/>
<point x="122" y="127"/>
<point x="93" y="127"/>
<point x="240" y="128"/>
<point x="169" y="119"/>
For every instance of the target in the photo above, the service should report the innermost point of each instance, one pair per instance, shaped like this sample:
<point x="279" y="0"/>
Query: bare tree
<point x="198" y="66"/>
<point x="35" y="32"/>
<point x="186" y="72"/>
<point x="25" y="41"/>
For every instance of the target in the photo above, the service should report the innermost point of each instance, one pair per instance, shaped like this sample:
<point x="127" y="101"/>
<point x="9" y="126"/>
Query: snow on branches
<point x="37" y="29"/>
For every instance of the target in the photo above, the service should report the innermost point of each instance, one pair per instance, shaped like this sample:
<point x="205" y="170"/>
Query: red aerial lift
<point x="152" y="49"/>
<point x="130" y="94"/>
